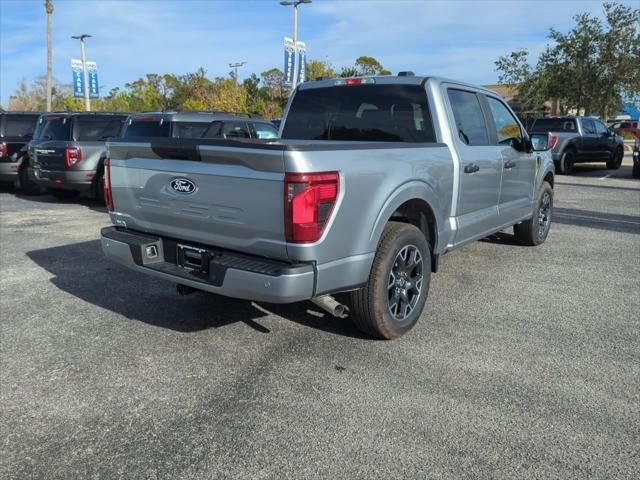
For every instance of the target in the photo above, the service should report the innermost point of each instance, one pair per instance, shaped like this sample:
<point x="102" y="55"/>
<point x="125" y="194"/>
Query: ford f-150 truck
<point x="372" y="180"/>
<point x="580" y="139"/>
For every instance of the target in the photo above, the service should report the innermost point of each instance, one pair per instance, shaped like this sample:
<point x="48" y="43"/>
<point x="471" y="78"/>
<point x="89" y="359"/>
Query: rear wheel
<point x="534" y="231"/>
<point x="567" y="161"/>
<point x="63" y="194"/>
<point x="24" y="183"/>
<point x="98" y="187"/>
<point x="616" y="160"/>
<point x="392" y="300"/>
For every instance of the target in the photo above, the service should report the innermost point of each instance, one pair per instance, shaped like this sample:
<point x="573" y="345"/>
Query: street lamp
<point x="295" y="3"/>
<point x="87" y="102"/>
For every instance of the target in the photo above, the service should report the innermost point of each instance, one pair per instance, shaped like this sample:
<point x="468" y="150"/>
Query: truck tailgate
<point x="229" y="197"/>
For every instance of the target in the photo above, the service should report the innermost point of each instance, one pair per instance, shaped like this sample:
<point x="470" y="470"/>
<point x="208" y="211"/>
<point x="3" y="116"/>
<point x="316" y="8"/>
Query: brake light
<point x="108" y="196"/>
<point x="3" y="150"/>
<point x="309" y="200"/>
<point x="553" y="139"/>
<point x="73" y="156"/>
<point x="355" y="81"/>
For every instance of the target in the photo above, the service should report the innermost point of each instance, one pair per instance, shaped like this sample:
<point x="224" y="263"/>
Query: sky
<point x="460" y="39"/>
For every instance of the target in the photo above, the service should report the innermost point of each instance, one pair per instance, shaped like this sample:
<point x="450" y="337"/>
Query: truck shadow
<point x="82" y="270"/>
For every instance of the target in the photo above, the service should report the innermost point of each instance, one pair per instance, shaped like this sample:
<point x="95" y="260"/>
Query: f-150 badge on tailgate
<point x="182" y="185"/>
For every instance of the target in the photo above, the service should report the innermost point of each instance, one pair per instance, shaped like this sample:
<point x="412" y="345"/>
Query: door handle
<point x="509" y="164"/>
<point x="471" y="168"/>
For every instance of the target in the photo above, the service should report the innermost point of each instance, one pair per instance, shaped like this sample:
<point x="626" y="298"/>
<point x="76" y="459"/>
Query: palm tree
<point x="48" y="5"/>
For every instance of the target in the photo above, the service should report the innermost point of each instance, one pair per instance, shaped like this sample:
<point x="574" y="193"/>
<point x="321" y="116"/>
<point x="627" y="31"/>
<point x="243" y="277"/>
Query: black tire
<point x="63" y="194"/>
<point x="98" y="187"/>
<point x="372" y="305"/>
<point x="24" y="183"/>
<point x="636" y="170"/>
<point x="567" y="162"/>
<point x="616" y="160"/>
<point x="534" y="231"/>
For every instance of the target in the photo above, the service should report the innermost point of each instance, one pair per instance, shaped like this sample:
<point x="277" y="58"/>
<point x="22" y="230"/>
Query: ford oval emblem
<point x="182" y="185"/>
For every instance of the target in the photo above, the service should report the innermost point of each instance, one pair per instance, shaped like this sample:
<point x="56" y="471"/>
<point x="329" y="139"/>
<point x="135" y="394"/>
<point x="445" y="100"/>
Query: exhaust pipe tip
<point x="331" y="305"/>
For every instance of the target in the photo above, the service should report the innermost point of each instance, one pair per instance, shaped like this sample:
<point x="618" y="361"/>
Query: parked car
<point x="191" y="124"/>
<point x="580" y="139"/>
<point x="68" y="151"/>
<point x="16" y="130"/>
<point x="374" y="178"/>
<point x="636" y="156"/>
<point x="624" y="126"/>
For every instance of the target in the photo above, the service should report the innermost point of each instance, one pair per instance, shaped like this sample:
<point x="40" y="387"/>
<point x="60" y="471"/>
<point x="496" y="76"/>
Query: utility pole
<point x="295" y="3"/>
<point x="48" y="5"/>
<point x="87" y="101"/>
<point x="235" y="67"/>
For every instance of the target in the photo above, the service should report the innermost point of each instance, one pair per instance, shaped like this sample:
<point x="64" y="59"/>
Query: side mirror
<point x="540" y="142"/>
<point x="520" y="144"/>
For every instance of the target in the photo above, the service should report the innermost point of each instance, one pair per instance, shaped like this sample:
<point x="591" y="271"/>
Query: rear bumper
<point x="81" y="180"/>
<point x="230" y="274"/>
<point x="9" y="171"/>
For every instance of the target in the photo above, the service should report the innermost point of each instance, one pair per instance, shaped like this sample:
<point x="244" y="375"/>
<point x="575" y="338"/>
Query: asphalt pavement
<point x="524" y="364"/>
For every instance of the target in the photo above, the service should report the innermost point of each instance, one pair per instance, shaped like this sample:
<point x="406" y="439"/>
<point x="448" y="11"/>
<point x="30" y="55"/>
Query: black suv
<point x="16" y="130"/>
<point x="197" y="124"/>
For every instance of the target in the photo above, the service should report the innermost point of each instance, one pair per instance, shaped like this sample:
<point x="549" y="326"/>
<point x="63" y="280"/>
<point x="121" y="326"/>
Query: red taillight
<point x="73" y="156"/>
<point x="108" y="197"/>
<point x="309" y="199"/>
<point x="3" y="150"/>
<point x="553" y="139"/>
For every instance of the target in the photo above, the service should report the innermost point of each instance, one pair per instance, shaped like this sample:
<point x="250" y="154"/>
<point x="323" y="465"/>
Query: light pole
<point x="48" y="5"/>
<point x="235" y="67"/>
<point x="87" y="102"/>
<point x="295" y="3"/>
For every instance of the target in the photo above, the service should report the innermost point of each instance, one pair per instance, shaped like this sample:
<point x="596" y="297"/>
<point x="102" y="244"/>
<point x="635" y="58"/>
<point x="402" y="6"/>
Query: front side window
<point x="214" y="130"/>
<point x="264" y="130"/>
<point x="235" y="130"/>
<point x="600" y="127"/>
<point x="588" y="126"/>
<point x="97" y="129"/>
<point x="55" y="128"/>
<point x="366" y="113"/>
<point x="469" y="118"/>
<point x="507" y="127"/>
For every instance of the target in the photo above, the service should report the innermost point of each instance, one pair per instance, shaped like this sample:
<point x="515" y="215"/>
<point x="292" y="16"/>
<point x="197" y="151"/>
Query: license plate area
<point x="192" y="258"/>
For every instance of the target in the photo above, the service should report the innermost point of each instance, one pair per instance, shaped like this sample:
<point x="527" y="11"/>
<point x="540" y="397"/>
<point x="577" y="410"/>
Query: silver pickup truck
<point x="372" y="180"/>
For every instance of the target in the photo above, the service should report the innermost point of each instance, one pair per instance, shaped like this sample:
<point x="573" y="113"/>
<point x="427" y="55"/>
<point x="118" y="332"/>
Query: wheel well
<point x="419" y="213"/>
<point x="549" y="178"/>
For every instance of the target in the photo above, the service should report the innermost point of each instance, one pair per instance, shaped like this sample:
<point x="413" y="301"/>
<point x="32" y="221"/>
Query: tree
<point x="48" y="5"/>
<point x="319" y="68"/>
<point x="369" y="66"/>
<point x="591" y="68"/>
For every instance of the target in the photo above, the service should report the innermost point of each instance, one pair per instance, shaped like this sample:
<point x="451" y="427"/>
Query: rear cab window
<point x="544" y="125"/>
<point x="54" y="127"/>
<point x="371" y="113"/>
<point x="18" y="126"/>
<point x="189" y="129"/>
<point x="264" y="130"/>
<point x="147" y="126"/>
<point x="97" y="128"/>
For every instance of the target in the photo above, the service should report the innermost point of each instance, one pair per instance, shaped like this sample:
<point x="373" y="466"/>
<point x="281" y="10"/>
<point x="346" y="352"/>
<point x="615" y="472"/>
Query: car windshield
<point x="554" y="125"/>
<point x="96" y="129"/>
<point x="55" y="128"/>
<point x="147" y="126"/>
<point x="20" y="126"/>
<point x="384" y="113"/>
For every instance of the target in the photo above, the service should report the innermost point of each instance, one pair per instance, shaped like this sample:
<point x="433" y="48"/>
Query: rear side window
<point x="265" y="130"/>
<point x="55" y="128"/>
<point x="147" y="127"/>
<point x="21" y="126"/>
<point x="469" y="118"/>
<point x="371" y="113"/>
<point x="214" y="130"/>
<point x="97" y="129"/>
<point x="554" y="125"/>
<point x="189" y="129"/>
